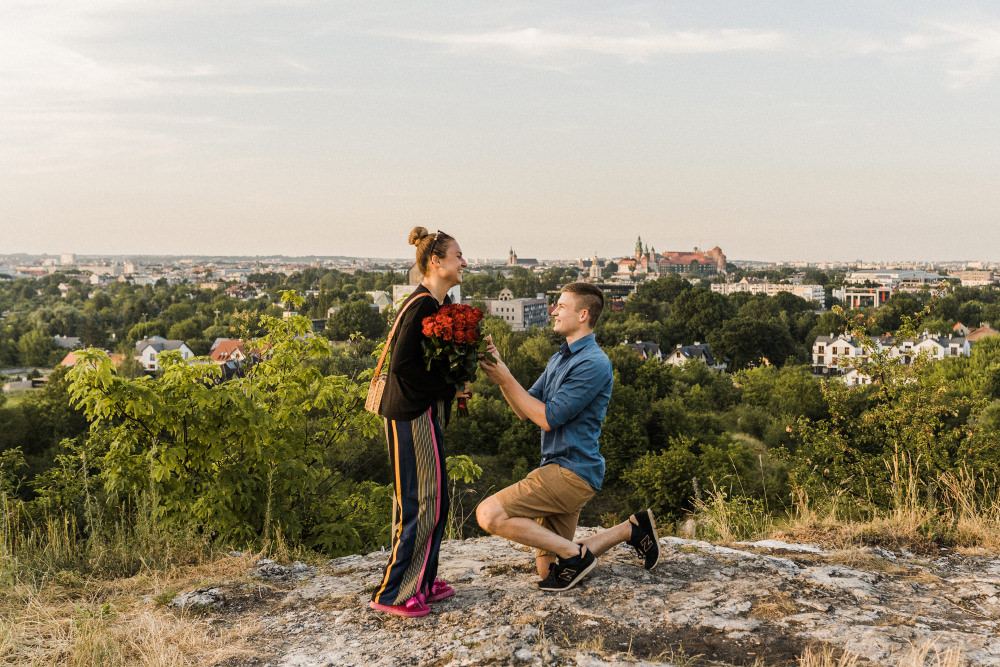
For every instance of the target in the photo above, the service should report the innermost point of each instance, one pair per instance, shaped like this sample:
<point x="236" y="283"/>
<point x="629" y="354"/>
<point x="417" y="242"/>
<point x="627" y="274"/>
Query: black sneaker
<point x="566" y="573"/>
<point x="645" y="540"/>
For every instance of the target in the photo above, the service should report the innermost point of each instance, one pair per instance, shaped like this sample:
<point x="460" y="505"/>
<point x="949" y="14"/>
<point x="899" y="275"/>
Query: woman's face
<point x="451" y="266"/>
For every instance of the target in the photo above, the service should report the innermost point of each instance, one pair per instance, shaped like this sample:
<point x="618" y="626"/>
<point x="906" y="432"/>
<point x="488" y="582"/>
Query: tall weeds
<point x="34" y="546"/>
<point x="957" y="508"/>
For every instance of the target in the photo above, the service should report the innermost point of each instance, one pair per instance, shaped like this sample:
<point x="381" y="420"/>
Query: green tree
<point x="35" y="348"/>
<point x="698" y="313"/>
<point x="746" y="341"/>
<point x="884" y="445"/>
<point x="243" y="459"/>
<point x="356" y="317"/>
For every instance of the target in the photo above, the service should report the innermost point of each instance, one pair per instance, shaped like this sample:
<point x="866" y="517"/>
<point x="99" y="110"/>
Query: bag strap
<point x="388" y="341"/>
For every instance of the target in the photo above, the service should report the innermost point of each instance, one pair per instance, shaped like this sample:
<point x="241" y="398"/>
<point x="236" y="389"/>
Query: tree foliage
<point x="244" y="459"/>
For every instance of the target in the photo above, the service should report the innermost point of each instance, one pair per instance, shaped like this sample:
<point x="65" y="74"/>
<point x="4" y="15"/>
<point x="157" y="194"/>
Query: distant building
<point x="646" y="350"/>
<point x="593" y="266"/>
<point x="228" y="349"/>
<point x="246" y="291"/>
<point x="66" y="342"/>
<point x="520" y="314"/>
<point x="935" y="346"/>
<point x="67" y="259"/>
<point x="832" y="353"/>
<point x="863" y="297"/>
<point x="19" y="385"/>
<point x="697" y="352"/>
<point x="984" y="330"/>
<point x="838" y="354"/>
<point x="381" y="299"/>
<point x="974" y="278"/>
<point x="71" y="359"/>
<point x="807" y="292"/>
<point x="148" y="351"/>
<point x="646" y="260"/>
<point x="893" y="278"/>
<point x="513" y="260"/>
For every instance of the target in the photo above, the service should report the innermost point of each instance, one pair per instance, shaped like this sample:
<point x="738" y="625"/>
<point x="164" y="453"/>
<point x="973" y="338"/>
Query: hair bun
<point x="418" y="234"/>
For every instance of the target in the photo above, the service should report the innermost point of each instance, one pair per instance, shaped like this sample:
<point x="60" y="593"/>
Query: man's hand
<point x="495" y="370"/>
<point x="491" y="349"/>
<point x="525" y="405"/>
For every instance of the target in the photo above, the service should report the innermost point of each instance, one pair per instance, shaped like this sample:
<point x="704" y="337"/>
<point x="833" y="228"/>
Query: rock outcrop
<point x="704" y="604"/>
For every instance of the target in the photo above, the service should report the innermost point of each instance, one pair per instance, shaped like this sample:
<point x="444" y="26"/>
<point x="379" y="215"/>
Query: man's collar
<point x="567" y="349"/>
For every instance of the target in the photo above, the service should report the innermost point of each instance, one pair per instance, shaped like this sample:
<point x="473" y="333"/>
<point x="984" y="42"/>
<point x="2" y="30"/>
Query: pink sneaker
<point x="415" y="606"/>
<point x="439" y="590"/>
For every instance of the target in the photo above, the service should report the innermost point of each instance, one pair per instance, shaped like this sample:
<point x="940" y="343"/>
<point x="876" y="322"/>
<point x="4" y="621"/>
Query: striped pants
<point x="419" y="507"/>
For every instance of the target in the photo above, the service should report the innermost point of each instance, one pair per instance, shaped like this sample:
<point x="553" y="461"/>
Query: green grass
<point x="15" y="398"/>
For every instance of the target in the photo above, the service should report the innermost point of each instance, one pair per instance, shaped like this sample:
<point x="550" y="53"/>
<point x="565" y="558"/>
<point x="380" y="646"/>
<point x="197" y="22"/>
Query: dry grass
<point x="826" y="657"/>
<point x="928" y="655"/>
<point x="77" y="622"/>
<point x="775" y="606"/>
<point x="959" y="510"/>
<point x="92" y="634"/>
<point x="925" y="655"/>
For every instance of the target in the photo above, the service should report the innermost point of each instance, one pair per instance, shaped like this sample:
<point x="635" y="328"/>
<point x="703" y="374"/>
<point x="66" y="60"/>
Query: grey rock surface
<point x="200" y="597"/>
<point x="764" y="601"/>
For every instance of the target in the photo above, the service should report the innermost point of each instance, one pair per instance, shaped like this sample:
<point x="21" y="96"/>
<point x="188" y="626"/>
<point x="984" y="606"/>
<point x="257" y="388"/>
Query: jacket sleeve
<point x="408" y="353"/>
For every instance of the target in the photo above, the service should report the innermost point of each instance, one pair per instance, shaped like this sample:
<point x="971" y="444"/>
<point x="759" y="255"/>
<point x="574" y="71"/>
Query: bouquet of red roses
<point x="454" y="341"/>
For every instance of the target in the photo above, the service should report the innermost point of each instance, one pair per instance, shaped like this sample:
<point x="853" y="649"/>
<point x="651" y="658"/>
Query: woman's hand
<point x="463" y="392"/>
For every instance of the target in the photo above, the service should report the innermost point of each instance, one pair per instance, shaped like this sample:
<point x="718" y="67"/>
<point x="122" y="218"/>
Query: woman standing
<point x="415" y="403"/>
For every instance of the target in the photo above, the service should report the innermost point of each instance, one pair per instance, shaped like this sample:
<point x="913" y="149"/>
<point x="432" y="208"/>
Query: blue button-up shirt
<point x="576" y="388"/>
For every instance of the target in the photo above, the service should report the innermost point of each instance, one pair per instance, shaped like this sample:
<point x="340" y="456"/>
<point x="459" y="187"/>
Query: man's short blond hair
<point x="590" y="298"/>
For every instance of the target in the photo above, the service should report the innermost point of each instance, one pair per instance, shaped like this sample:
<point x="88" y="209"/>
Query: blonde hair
<point x="429" y="244"/>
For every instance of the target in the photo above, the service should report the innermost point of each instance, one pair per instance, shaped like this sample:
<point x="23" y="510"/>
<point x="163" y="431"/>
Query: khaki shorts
<point x="551" y="495"/>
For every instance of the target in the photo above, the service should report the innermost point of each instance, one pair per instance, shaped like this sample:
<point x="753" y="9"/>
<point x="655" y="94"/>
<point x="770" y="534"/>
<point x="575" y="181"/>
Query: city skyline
<point x="778" y="133"/>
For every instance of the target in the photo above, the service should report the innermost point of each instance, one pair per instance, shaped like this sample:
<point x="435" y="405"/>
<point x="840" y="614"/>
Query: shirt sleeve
<point x="539" y="386"/>
<point x="583" y="383"/>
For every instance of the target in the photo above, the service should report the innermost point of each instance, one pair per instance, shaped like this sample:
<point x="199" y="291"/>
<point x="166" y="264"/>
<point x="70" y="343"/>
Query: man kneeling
<point x="568" y="402"/>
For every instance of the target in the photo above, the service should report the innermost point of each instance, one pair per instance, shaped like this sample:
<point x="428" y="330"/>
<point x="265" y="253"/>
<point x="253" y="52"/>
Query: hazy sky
<point x="776" y="130"/>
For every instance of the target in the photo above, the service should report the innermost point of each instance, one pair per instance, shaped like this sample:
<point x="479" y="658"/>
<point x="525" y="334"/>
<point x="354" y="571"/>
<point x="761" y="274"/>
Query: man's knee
<point x="489" y="514"/>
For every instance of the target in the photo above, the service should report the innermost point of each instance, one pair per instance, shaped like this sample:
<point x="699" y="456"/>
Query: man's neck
<point x="577" y="335"/>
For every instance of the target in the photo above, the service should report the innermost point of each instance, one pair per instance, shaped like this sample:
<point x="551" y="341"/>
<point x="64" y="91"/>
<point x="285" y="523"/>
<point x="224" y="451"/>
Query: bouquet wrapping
<point x="454" y="342"/>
